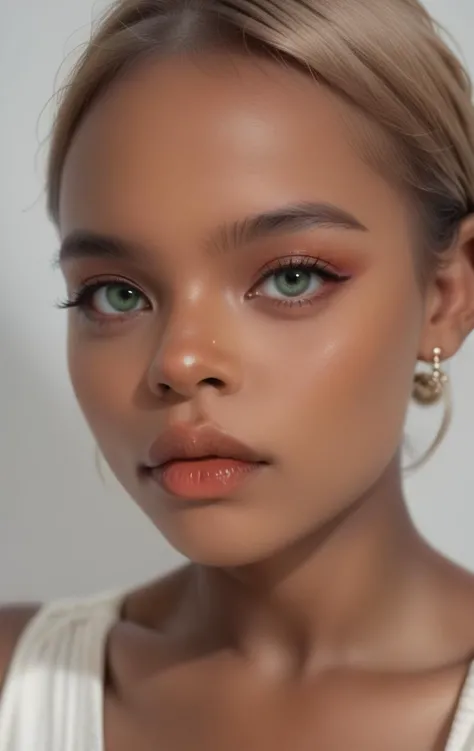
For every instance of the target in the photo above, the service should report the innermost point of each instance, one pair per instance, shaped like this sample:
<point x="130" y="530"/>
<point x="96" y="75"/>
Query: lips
<point x="201" y="463"/>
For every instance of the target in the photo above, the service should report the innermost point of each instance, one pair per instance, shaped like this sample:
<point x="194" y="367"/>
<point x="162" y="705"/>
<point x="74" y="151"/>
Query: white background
<point x="62" y="531"/>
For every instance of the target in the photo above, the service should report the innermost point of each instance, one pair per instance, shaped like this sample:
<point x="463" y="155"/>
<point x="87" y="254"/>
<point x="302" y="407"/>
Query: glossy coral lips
<point x="201" y="463"/>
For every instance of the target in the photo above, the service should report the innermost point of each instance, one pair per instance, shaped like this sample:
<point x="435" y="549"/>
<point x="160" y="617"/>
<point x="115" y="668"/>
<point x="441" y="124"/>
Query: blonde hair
<point x="386" y="57"/>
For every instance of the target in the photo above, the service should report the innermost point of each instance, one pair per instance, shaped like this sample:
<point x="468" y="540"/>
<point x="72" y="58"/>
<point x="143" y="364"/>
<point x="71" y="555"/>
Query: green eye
<point x="291" y="283"/>
<point x="120" y="297"/>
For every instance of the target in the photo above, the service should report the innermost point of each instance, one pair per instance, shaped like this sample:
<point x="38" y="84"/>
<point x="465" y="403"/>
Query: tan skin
<point x="313" y="615"/>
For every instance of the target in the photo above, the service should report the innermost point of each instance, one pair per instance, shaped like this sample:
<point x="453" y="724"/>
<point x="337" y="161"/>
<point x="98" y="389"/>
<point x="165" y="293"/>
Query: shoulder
<point x="96" y="614"/>
<point x="52" y="622"/>
<point x="13" y="621"/>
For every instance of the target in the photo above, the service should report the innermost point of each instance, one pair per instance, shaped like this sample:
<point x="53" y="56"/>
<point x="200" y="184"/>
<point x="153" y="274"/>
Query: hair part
<point x="386" y="59"/>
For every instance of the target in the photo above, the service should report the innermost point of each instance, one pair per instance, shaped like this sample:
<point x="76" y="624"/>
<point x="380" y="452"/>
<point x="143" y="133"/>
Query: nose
<point x="194" y="357"/>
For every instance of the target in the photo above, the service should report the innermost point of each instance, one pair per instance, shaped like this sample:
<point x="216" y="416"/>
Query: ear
<point x="449" y="315"/>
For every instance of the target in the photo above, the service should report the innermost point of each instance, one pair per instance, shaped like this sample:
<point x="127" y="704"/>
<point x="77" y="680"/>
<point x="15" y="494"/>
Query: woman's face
<point x="295" y="337"/>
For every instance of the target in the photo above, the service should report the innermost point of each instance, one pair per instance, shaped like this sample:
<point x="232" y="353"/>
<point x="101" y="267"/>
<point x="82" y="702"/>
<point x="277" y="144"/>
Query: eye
<point x="296" y="281"/>
<point x="291" y="283"/>
<point x="102" y="300"/>
<point x="110" y="299"/>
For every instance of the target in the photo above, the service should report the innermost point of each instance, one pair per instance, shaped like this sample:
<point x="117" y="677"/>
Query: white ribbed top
<point x="53" y="694"/>
<point x="462" y="731"/>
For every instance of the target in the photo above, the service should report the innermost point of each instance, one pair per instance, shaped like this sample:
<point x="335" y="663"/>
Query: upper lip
<point x="182" y="442"/>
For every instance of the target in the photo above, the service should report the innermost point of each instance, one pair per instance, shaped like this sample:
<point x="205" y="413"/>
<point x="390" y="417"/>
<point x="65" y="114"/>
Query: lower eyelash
<point x="289" y="303"/>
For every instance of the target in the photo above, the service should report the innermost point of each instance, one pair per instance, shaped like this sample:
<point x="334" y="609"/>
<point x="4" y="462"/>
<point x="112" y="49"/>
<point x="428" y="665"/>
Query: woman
<point x="266" y="216"/>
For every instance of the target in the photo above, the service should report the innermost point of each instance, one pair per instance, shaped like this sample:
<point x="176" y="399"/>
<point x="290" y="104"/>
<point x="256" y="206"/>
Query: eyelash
<point x="83" y="297"/>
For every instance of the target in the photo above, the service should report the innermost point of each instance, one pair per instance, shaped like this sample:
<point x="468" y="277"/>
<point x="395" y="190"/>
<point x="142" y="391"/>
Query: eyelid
<point x="104" y="281"/>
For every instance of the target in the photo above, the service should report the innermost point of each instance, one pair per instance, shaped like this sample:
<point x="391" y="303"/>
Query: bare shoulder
<point x="13" y="621"/>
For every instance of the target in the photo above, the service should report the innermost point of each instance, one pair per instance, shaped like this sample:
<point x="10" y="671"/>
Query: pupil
<point x="293" y="277"/>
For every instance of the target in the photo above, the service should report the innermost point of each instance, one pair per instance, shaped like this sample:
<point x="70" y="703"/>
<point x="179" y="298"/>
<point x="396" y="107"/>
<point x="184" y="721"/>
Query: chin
<point x="220" y="551"/>
<point x="215" y="536"/>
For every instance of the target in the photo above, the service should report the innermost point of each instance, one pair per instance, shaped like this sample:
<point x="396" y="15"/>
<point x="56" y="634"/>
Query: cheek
<point x="105" y="377"/>
<point x="344" y="381"/>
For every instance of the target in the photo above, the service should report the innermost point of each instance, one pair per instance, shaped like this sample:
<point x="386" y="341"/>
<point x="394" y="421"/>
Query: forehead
<point x="214" y="137"/>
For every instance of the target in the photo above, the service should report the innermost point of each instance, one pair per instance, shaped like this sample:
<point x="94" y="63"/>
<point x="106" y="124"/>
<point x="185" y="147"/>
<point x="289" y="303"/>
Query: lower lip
<point x="205" y="478"/>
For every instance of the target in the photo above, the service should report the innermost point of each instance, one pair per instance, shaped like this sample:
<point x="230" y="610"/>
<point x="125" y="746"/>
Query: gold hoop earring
<point x="429" y="389"/>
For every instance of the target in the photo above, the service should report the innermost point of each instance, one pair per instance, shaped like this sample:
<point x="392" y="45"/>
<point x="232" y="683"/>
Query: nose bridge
<point x="198" y="345"/>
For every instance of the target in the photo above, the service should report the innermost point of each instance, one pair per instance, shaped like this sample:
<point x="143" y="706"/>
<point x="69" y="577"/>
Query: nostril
<point x="215" y="382"/>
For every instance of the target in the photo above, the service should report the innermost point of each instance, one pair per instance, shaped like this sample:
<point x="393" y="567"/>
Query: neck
<point x="330" y="597"/>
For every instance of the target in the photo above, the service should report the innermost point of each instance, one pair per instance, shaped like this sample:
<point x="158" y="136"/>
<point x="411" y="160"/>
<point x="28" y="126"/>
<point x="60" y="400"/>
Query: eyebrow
<point x="288" y="219"/>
